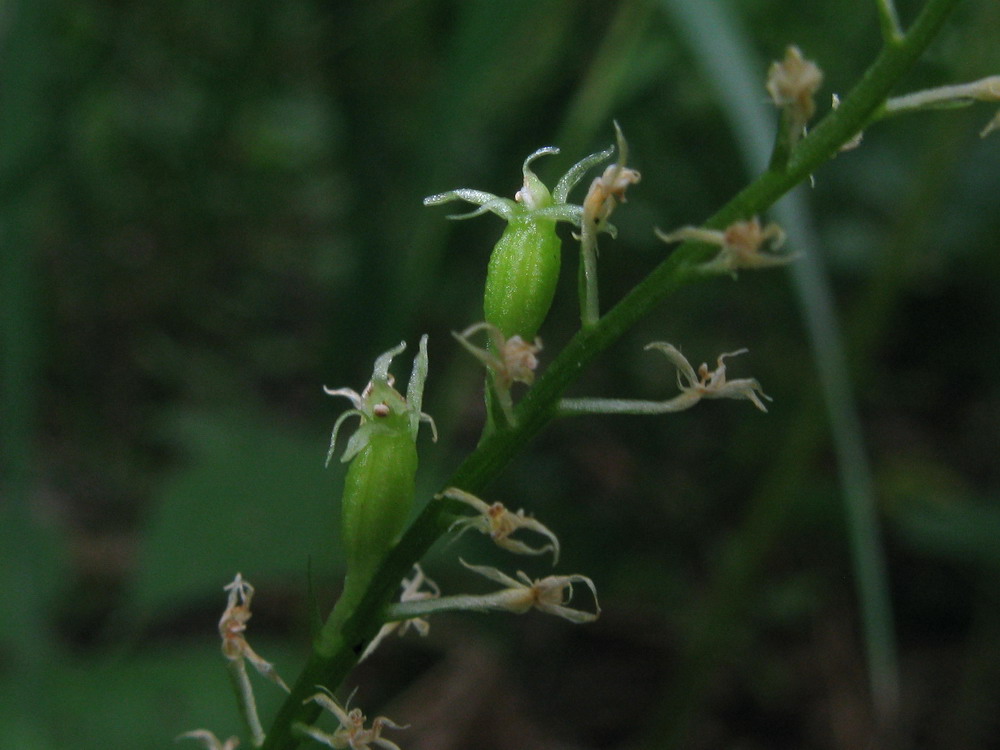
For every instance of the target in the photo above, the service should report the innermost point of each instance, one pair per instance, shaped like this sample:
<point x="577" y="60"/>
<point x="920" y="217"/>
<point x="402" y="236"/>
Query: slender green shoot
<point x="892" y="32"/>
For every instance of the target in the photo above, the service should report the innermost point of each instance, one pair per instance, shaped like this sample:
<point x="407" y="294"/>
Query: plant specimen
<point x="521" y="282"/>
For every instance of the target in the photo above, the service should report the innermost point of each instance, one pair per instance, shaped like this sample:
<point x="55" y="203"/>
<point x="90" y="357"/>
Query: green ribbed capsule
<point x="524" y="267"/>
<point x="521" y="277"/>
<point x="379" y="486"/>
<point x="378" y="497"/>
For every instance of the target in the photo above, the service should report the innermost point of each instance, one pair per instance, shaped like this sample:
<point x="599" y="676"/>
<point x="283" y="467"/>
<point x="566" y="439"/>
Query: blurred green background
<point x="210" y="209"/>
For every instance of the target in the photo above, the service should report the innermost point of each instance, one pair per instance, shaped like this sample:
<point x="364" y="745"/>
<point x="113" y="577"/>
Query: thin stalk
<point x="342" y="640"/>
<point x="888" y="19"/>
<point x="245" y="699"/>
<point x="572" y="407"/>
<point x="955" y="95"/>
<point x="590" y="310"/>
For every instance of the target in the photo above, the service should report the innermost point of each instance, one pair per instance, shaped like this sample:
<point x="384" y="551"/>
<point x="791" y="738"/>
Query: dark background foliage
<point x="210" y="209"/>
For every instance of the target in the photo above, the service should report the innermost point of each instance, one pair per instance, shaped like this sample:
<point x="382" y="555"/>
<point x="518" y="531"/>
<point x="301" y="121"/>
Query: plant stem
<point x="888" y="19"/>
<point x="955" y="95"/>
<point x="342" y="639"/>
<point x="590" y="310"/>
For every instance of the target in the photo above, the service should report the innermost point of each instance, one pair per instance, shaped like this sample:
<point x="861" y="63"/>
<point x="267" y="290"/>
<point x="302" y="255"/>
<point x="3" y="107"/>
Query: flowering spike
<point x="499" y="523"/>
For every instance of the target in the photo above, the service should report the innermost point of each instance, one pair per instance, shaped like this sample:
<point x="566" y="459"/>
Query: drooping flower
<point x="743" y="244"/>
<point x="412" y="592"/>
<point x="694" y="387"/>
<point x="499" y="524"/>
<point x="709" y="383"/>
<point x="550" y="594"/>
<point x="792" y="83"/>
<point x="232" y="629"/>
<point x="509" y="360"/>
<point x="352" y="732"/>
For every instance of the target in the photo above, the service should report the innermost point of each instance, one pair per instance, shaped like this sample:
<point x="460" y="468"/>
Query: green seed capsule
<point x="522" y="276"/>
<point x="378" y="497"/>
<point x="524" y="267"/>
<point x="379" y="486"/>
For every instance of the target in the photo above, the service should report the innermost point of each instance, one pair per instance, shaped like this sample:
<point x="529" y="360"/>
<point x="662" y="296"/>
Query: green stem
<point x="590" y="310"/>
<point x="457" y="603"/>
<point x="343" y="638"/>
<point x="783" y="141"/>
<point x="888" y="18"/>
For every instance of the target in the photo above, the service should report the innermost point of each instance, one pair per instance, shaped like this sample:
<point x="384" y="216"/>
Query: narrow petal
<point x="575" y="173"/>
<point x="676" y="358"/>
<point x="493" y="574"/>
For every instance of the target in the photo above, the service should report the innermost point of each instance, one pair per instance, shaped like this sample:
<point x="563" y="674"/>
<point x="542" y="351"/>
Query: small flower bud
<point x="605" y="193"/>
<point x="792" y="84"/>
<point x="499" y="524"/>
<point x="509" y="361"/>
